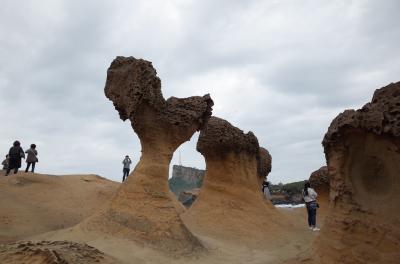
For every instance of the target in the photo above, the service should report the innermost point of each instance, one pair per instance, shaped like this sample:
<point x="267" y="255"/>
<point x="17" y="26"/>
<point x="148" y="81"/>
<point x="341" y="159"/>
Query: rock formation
<point x="185" y="179"/>
<point x="319" y="180"/>
<point x="230" y="204"/>
<point x="362" y="150"/>
<point x="264" y="164"/>
<point x="144" y="209"/>
<point x="52" y="252"/>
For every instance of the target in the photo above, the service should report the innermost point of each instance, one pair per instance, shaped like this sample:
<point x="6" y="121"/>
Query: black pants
<point x="312" y="215"/>
<point x="29" y="164"/>
<point x="126" y="173"/>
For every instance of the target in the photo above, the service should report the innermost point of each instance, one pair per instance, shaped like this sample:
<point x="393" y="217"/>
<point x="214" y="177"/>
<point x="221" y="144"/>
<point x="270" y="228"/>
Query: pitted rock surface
<point x="319" y="179"/>
<point x="219" y="137"/>
<point x="264" y="163"/>
<point x="132" y="84"/>
<point x="380" y="116"/>
<point x="143" y="209"/>
<point x="52" y="252"/>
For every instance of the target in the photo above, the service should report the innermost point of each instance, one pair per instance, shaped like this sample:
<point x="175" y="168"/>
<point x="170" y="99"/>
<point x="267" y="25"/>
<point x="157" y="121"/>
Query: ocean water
<point x="290" y="205"/>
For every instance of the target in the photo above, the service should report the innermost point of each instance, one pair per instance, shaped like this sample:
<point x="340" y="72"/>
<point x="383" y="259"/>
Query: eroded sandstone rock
<point x="319" y="180"/>
<point x="143" y="208"/>
<point x="362" y="150"/>
<point x="264" y="164"/>
<point x="230" y="204"/>
<point x="52" y="252"/>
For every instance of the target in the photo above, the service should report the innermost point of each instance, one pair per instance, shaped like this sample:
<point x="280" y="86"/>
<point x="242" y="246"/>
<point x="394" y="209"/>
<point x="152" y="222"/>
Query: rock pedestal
<point x="143" y="208"/>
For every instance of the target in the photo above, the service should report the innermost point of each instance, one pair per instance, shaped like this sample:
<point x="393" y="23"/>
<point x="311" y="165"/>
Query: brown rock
<point x="143" y="208"/>
<point x="54" y="252"/>
<point x="362" y="152"/>
<point x="264" y="164"/>
<point x="319" y="180"/>
<point x="230" y="204"/>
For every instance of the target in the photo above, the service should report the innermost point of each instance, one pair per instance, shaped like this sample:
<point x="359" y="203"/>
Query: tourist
<point x="15" y="154"/>
<point x="265" y="189"/>
<point x="31" y="159"/>
<point x="310" y="197"/>
<point x="127" y="167"/>
<point x="5" y="163"/>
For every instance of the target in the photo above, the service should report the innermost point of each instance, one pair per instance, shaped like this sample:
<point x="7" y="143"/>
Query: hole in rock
<point x="186" y="172"/>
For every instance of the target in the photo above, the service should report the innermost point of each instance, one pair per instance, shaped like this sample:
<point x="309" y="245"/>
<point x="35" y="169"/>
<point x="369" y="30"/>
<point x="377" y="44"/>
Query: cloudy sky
<point x="282" y="69"/>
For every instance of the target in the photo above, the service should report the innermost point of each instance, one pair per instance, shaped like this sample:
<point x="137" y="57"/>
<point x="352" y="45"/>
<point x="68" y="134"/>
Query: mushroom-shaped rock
<point x="319" y="181"/>
<point x="143" y="208"/>
<point x="264" y="164"/>
<point x="230" y="204"/>
<point x="362" y="150"/>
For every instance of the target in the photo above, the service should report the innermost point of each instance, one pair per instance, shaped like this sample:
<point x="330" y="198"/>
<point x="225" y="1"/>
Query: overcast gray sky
<point x="282" y="69"/>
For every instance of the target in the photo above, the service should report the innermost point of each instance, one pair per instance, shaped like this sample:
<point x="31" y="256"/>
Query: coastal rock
<point x="319" y="180"/>
<point x="264" y="164"/>
<point x="362" y="149"/>
<point x="230" y="204"/>
<point x="52" y="252"/>
<point x="143" y="208"/>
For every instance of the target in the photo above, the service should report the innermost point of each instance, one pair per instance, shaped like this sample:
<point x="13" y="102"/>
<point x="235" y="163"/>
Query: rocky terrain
<point x="87" y="219"/>
<point x="37" y="203"/>
<point x="230" y="204"/>
<point x="362" y="153"/>
<point x="52" y="252"/>
<point x="185" y="179"/>
<point x="143" y="208"/>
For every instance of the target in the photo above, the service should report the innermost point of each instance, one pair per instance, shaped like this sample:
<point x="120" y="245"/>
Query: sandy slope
<point x="36" y="203"/>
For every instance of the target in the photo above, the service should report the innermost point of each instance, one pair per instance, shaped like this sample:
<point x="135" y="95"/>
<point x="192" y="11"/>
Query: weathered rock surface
<point x="362" y="150"/>
<point x="264" y="164"/>
<point x="51" y="252"/>
<point x="319" y="180"/>
<point x="230" y="204"/>
<point x="144" y="209"/>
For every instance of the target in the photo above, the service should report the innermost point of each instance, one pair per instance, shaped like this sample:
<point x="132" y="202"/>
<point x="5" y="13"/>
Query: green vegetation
<point x="289" y="188"/>
<point x="178" y="185"/>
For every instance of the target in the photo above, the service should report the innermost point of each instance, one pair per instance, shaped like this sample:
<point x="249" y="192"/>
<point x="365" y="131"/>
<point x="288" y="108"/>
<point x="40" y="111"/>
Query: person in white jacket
<point x="310" y="198"/>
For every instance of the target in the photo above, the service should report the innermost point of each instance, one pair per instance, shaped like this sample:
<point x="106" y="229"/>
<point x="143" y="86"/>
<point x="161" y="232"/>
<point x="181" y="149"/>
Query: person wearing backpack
<point x="127" y="167"/>
<point x="31" y="159"/>
<point x="310" y="198"/>
<point x="15" y="154"/>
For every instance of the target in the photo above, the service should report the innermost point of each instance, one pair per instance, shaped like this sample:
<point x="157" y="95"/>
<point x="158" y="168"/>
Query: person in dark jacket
<point x="31" y="159"/>
<point x="15" y="154"/>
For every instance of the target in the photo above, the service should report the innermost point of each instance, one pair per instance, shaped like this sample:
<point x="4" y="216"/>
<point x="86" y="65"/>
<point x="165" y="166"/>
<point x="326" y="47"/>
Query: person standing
<point x="127" y="167"/>
<point x="31" y="159"/>
<point x="15" y="154"/>
<point x="5" y="163"/>
<point x="265" y="189"/>
<point x="310" y="198"/>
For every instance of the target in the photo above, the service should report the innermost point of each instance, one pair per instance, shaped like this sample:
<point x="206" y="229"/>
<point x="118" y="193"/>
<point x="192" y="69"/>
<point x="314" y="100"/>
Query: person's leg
<point x="313" y="216"/>
<point x="8" y="171"/>
<point x="123" y="174"/>
<point x="28" y="164"/>
<point x="33" y="166"/>
<point x="308" y="215"/>
<point x="15" y="170"/>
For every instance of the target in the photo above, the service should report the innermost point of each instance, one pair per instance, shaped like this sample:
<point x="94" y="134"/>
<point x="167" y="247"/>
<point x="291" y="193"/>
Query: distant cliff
<point x="185" y="179"/>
